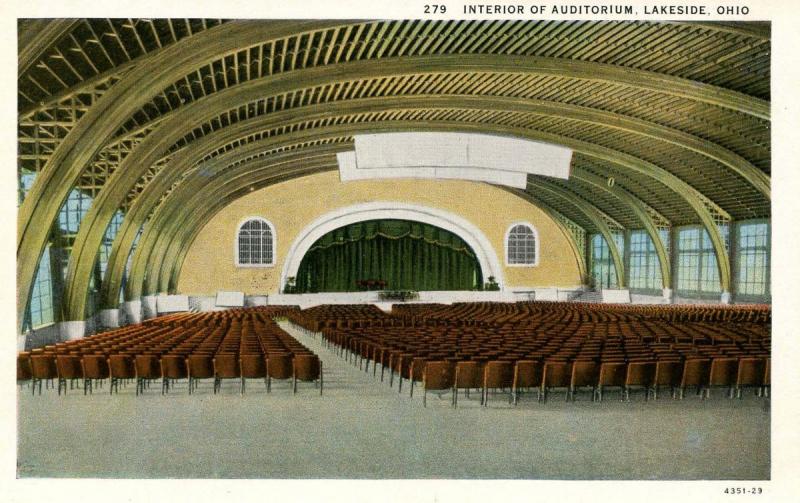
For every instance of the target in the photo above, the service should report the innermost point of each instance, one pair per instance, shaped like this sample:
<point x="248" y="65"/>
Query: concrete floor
<point x="361" y="428"/>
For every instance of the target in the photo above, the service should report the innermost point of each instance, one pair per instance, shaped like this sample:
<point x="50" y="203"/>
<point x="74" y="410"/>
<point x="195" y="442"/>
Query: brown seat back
<point x="498" y="374"/>
<point x="438" y="375"/>
<point x="95" y="367"/>
<point x="417" y="368"/>
<point x="641" y="374"/>
<point x="226" y="366"/>
<point x="695" y="372"/>
<point x="723" y="372"/>
<point x="612" y="374"/>
<point x="468" y="375"/>
<point x="121" y="367"/>
<point x="584" y="373"/>
<point x="668" y="372"/>
<point x="24" y="371"/>
<point x="556" y="374"/>
<point x="174" y="367"/>
<point x="527" y="374"/>
<point x="751" y="372"/>
<point x="306" y="367"/>
<point x="69" y="367"/>
<point x="201" y="366"/>
<point x="279" y="365"/>
<point x="147" y="367"/>
<point x="43" y="366"/>
<point x="253" y="366"/>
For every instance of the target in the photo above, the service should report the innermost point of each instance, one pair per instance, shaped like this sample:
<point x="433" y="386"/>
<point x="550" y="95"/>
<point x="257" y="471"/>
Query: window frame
<point x="652" y="263"/>
<point x="536" y="247"/>
<point x="241" y="224"/>
<point x="736" y="262"/>
<point x="702" y="254"/>
<point x="609" y="275"/>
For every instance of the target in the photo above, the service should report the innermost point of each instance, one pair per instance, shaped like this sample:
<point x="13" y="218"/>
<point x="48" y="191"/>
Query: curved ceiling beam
<point x="98" y="125"/>
<point x="212" y="106"/>
<point x="90" y="238"/>
<point x="96" y="128"/>
<point x="638" y="165"/>
<point x="640" y="210"/>
<point x="759" y="30"/>
<point x="36" y="36"/>
<point x="597" y="217"/>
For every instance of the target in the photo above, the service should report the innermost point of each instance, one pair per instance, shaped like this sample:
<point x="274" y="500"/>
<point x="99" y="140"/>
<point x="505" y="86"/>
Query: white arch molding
<point x="379" y="210"/>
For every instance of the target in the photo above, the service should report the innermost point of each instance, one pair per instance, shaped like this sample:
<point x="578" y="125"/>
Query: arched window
<point x="522" y="245"/>
<point x="255" y="242"/>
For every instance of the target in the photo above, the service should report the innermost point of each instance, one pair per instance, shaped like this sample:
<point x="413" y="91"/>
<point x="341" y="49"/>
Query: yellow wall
<point x="291" y="206"/>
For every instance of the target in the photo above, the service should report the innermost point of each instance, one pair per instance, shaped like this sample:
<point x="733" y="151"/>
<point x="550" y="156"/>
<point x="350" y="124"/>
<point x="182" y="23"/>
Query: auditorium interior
<point x="393" y="249"/>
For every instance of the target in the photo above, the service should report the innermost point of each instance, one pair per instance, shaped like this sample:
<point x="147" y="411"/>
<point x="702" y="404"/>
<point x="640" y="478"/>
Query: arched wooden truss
<point x="144" y="115"/>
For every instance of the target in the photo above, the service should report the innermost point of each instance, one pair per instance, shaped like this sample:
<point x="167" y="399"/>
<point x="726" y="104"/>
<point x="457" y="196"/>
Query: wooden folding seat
<point x="723" y="373"/>
<point x="148" y="368"/>
<point x="695" y="373"/>
<point x="497" y="374"/>
<point x="556" y="374"/>
<point x="307" y="368"/>
<point x="252" y="366"/>
<point x="226" y="366"/>
<point x="43" y="368"/>
<point x="585" y="373"/>
<point x="200" y="365"/>
<point x="527" y="374"/>
<point x="173" y="367"/>
<point x="612" y="374"/>
<point x="415" y="371"/>
<point x="279" y="366"/>
<point x="68" y="368"/>
<point x="24" y="371"/>
<point x="640" y="374"/>
<point x="120" y="368"/>
<point x="468" y="375"/>
<point x="750" y="374"/>
<point x="437" y="376"/>
<point x="94" y="367"/>
<point x="668" y="373"/>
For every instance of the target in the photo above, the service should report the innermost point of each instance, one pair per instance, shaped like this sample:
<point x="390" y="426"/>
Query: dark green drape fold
<point x="406" y="255"/>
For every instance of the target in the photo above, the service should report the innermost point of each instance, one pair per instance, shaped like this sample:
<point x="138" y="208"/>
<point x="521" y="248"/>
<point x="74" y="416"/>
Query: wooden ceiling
<point x="677" y="114"/>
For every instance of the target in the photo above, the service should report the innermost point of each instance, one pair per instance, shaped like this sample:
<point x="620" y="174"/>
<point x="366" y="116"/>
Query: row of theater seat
<point x="549" y="349"/>
<point x="239" y="344"/>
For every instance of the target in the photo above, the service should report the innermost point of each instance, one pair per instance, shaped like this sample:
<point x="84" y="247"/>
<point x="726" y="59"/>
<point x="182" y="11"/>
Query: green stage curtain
<point x="406" y="255"/>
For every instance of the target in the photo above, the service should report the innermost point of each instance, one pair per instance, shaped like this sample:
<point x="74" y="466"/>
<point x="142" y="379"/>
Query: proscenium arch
<point x="512" y="63"/>
<point x="180" y="245"/>
<point x="379" y="210"/>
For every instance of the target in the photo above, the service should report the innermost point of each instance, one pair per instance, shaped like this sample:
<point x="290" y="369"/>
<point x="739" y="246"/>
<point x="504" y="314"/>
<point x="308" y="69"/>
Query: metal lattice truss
<point x="669" y="122"/>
